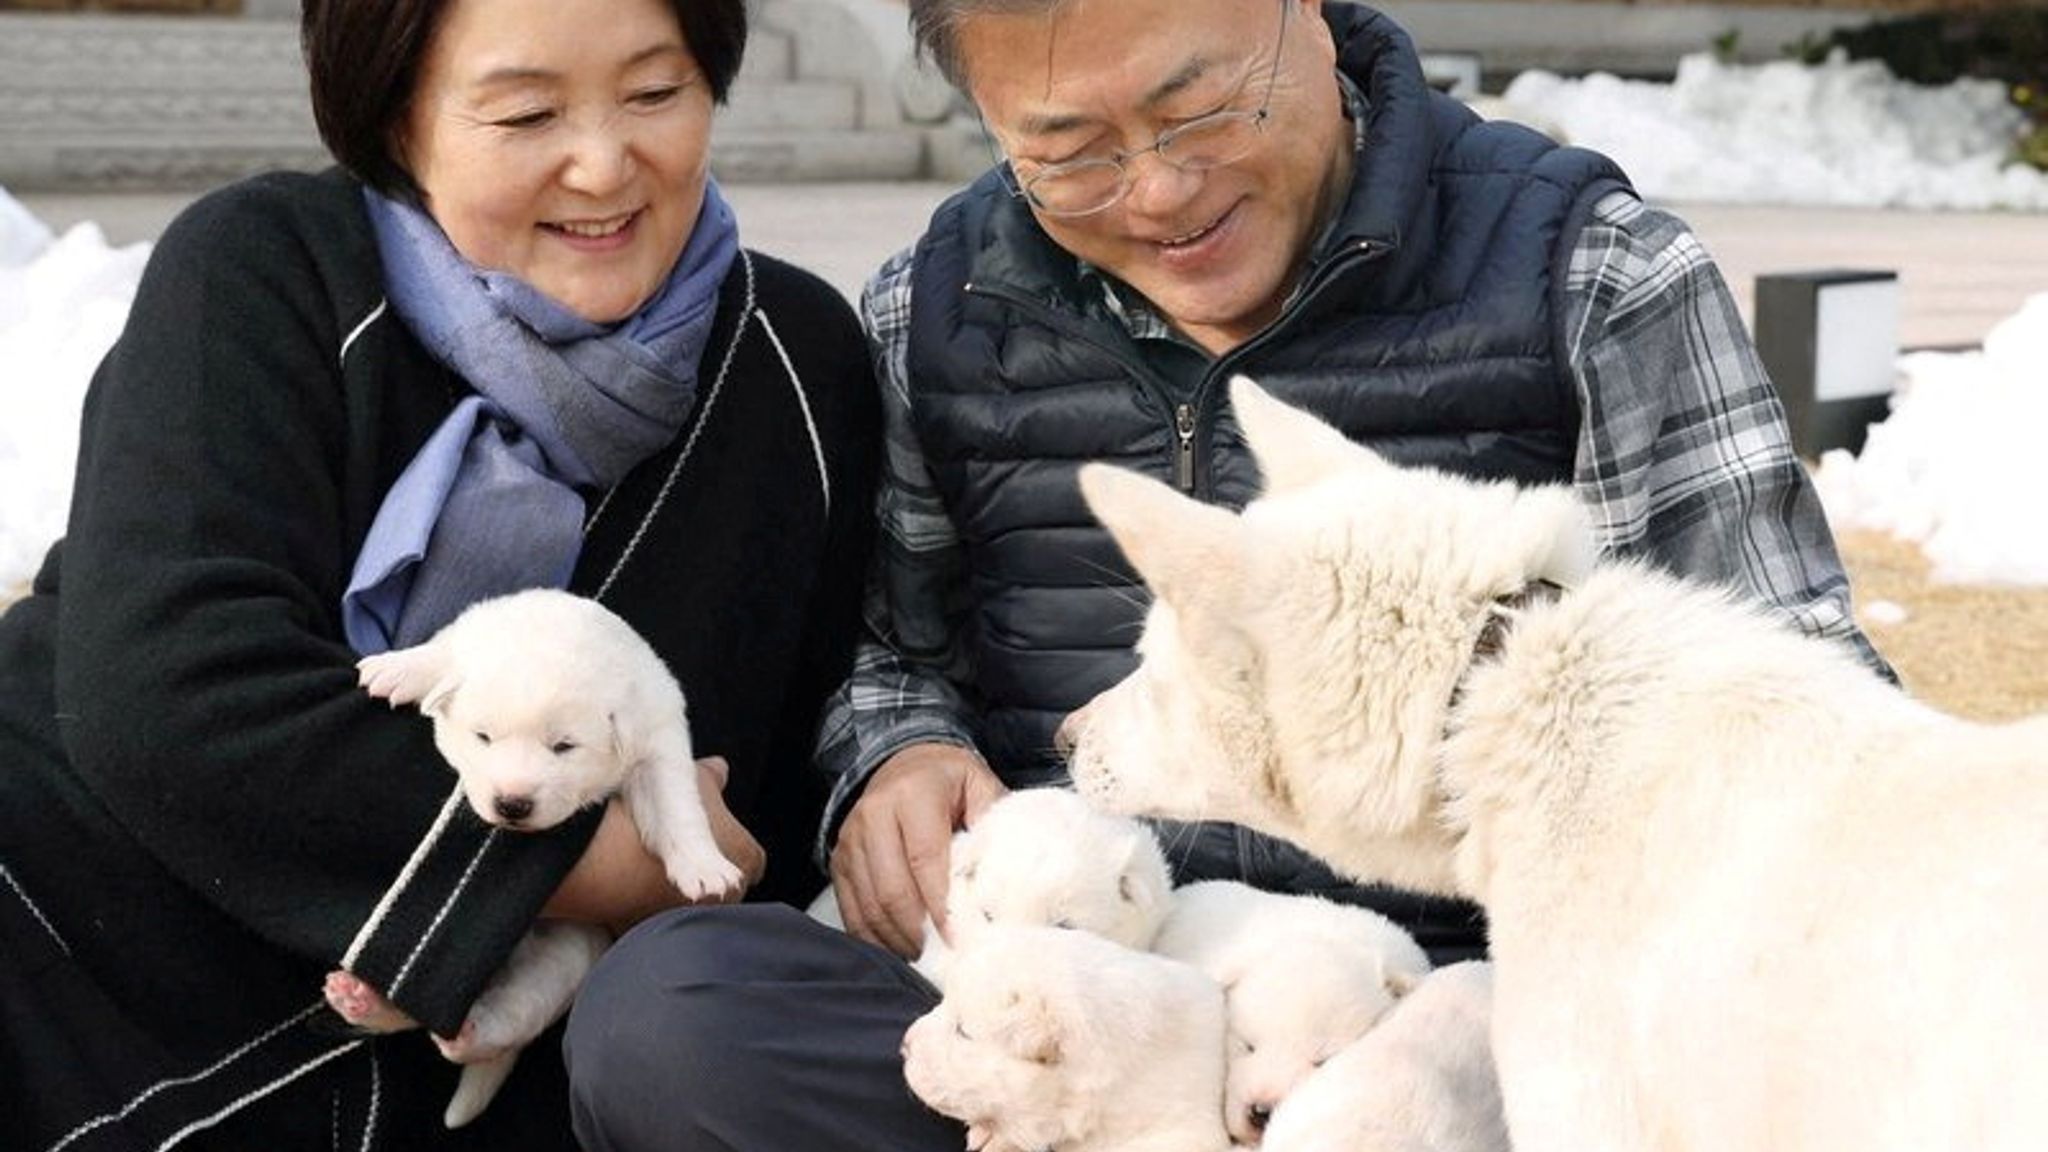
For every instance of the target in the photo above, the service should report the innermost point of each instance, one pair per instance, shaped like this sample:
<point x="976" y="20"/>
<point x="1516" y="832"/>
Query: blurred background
<point x="1871" y="177"/>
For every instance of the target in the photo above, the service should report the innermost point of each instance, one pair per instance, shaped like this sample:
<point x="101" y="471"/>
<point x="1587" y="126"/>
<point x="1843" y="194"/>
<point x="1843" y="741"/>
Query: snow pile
<point x="1838" y="133"/>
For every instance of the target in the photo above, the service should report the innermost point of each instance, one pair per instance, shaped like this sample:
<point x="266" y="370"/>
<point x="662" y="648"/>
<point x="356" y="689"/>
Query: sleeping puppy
<point x="1043" y="856"/>
<point x="1421" y="1081"/>
<point x="1303" y="978"/>
<point x="1048" y="1038"/>
<point x="545" y="703"/>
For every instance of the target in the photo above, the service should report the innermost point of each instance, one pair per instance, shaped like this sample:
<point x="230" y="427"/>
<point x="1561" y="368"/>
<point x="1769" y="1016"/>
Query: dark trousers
<point x="748" y="1029"/>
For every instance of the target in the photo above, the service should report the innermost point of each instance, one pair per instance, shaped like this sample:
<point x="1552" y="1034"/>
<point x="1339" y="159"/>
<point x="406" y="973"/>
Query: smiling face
<point x="1216" y="251"/>
<point x="564" y="142"/>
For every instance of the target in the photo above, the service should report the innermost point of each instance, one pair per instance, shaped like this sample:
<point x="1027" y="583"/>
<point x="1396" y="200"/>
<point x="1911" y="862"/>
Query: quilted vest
<point x="1427" y="327"/>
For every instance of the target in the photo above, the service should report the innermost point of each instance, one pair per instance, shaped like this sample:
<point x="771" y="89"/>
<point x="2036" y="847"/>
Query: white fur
<point x="1302" y="978"/>
<point x="1743" y="893"/>
<point x="1421" y="1081"/>
<point x="1045" y="856"/>
<point x="1054" y="1039"/>
<point x="548" y="701"/>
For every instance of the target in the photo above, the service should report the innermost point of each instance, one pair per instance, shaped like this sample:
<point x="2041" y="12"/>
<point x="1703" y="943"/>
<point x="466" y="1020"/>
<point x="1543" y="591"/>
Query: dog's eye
<point x="484" y="738"/>
<point x="1063" y="922"/>
<point x="562" y="747"/>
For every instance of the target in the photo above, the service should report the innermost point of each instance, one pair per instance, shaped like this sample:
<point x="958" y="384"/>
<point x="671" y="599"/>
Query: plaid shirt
<point x="1683" y="457"/>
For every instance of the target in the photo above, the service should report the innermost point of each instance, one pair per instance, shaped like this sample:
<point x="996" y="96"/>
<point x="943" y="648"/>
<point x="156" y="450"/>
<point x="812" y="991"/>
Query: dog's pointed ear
<point x="1179" y="546"/>
<point x="1293" y="448"/>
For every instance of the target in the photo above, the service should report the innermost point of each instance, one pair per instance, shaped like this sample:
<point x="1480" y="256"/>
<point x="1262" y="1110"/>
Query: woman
<point x="513" y="342"/>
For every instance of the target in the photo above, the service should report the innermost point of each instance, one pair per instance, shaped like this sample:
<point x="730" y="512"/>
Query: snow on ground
<point x="63" y="300"/>
<point x="1956" y="467"/>
<point x="1839" y="133"/>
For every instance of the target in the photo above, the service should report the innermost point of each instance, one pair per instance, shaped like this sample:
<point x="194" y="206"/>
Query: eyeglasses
<point x="1085" y="187"/>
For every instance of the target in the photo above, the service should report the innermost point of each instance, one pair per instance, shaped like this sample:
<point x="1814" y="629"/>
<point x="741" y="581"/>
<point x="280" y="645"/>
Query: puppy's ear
<point x="618" y="738"/>
<point x="435" y="703"/>
<point x="1293" y="448"/>
<point x="1399" y="981"/>
<point x="1185" y="550"/>
<point x="1032" y="1028"/>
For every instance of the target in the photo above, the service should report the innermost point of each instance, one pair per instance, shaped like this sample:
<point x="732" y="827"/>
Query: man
<point x="1193" y="189"/>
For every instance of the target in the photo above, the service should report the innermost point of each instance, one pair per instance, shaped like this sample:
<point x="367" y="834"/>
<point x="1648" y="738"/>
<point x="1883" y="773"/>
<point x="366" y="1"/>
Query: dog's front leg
<point x="661" y="793"/>
<point x="531" y="992"/>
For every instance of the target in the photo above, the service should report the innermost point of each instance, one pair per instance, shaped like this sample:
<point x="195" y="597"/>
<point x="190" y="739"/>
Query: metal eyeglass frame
<point x="1121" y="160"/>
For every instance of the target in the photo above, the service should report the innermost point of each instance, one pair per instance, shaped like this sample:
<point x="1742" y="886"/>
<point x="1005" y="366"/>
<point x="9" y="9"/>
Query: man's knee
<point x="659" y="1010"/>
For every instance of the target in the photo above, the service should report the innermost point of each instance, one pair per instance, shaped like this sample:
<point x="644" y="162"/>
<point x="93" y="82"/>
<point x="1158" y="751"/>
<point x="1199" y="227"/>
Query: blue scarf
<point x="491" y="504"/>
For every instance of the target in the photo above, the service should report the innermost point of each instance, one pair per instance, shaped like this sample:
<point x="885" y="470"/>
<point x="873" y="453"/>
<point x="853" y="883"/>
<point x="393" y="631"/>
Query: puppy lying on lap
<point x="1302" y="977"/>
<point x="1422" y="1080"/>
<point x="1045" y="856"/>
<point x="1049" y="1038"/>
<point x="545" y="703"/>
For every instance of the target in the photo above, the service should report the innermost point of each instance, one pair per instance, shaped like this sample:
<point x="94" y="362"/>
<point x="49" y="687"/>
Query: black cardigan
<point x="199" y="810"/>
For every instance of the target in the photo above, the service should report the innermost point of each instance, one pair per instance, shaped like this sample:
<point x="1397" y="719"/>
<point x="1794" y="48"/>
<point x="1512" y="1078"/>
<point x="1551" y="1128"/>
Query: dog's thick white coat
<point x="1302" y="977"/>
<point x="545" y="703"/>
<point x="1742" y="892"/>
<point x="1049" y="1038"/>
<point x="1046" y="856"/>
<point x="1421" y="1080"/>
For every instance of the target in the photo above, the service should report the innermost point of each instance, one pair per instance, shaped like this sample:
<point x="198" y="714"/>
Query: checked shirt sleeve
<point x="1683" y="453"/>
<point x="909" y="683"/>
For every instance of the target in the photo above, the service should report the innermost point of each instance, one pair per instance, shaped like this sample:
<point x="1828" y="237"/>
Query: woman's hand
<point x="619" y="883"/>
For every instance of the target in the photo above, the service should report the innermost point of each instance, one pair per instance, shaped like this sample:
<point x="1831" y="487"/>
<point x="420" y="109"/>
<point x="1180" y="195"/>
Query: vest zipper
<point x="1183" y="414"/>
<point x="1187" y="415"/>
<point x="1184" y="457"/>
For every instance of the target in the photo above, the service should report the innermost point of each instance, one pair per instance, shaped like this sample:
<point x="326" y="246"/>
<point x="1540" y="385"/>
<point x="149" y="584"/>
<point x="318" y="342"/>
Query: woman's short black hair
<point x="364" y="59"/>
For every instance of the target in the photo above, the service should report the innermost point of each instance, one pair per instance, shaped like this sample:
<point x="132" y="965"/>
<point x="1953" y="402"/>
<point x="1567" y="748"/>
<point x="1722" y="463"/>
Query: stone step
<point x="136" y="103"/>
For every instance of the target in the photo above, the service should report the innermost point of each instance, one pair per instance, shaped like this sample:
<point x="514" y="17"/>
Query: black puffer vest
<point x="1427" y="328"/>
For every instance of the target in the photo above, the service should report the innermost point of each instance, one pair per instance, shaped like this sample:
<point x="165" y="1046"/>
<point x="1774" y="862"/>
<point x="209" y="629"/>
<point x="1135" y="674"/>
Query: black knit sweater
<point x="198" y="808"/>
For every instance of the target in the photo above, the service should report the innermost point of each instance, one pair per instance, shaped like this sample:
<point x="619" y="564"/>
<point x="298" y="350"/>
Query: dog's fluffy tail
<point x="480" y="1082"/>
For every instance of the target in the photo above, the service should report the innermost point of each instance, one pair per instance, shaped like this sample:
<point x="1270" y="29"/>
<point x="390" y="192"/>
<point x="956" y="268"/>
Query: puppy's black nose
<point x="1258" y="1114"/>
<point x="514" y="808"/>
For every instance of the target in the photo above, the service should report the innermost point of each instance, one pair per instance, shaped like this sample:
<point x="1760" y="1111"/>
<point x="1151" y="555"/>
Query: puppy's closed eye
<point x="562" y="747"/>
<point x="483" y="738"/>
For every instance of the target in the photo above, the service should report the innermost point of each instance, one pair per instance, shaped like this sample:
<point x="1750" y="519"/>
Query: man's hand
<point x="889" y="866"/>
<point x="619" y="883"/>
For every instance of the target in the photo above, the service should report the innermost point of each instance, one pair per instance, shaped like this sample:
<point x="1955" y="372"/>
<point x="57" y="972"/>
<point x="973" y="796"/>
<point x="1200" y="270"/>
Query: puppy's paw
<point x="363" y="1006"/>
<point x="471" y="1045"/>
<point x="403" y="676"/>
<point x="706" y="877"/>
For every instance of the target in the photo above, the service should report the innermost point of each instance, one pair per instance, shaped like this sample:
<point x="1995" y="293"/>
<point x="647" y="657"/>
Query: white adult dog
<point x="1048" y="1038"/>
<point x="1046" y="856"/>
<point x="1302" y="978"/>
<point x="1421" y="1080"/>
<point x="1743" y="892"/>
<point x="545" y="703"/>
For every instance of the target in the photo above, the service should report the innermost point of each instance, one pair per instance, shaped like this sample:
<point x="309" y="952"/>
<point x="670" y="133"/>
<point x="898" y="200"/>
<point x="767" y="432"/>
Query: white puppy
<point x="1421" y="1081"/>
<point x="545" y="703"/>
<point x="1743" y="893"/>
<point x="1054" y="1039"/>
<point x="1302" y="978"/>
<point x="1044" y="856"/>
